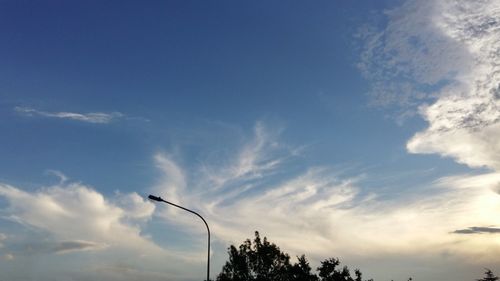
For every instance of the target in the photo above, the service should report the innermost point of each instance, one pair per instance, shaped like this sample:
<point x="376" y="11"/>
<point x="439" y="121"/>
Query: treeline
<point x="260" y="260"/>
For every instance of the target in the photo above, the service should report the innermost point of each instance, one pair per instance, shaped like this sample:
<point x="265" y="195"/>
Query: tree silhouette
<point x="328" y="271"/>
<point x="301" y="271"/>
<point x="257" y="261"/>
<point x="489" y="276"/>
<point x="260" y="260"/>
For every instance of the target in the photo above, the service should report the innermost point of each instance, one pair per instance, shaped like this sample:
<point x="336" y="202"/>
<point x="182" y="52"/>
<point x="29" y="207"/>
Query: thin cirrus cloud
<point x="330" y="209"/>
<point x="92" y="117"/>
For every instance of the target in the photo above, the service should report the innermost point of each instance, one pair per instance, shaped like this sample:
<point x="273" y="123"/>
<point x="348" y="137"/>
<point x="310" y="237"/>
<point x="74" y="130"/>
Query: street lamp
<point x="159" y="199"/>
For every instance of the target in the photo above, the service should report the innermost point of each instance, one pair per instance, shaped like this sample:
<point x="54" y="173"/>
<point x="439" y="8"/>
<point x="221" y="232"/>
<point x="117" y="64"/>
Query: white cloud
<point x="92" y="117"/>
<point x="440" y="59"/>
<point x="464" y="122"/>
<point x="75" y="212"/>
<point x="322" y="213"/>
<point x="74" y="219"/>
<point x="409" y="55"/>
<point x="134" y="206"/>
<point x="444" y="53"/>
<point x="318" y="212"/>
<point x="257" y="158"/>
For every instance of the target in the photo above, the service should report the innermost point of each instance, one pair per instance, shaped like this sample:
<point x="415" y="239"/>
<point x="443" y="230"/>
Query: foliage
<point x="260" y="260"/>
<point x="489" y="276"/>
<point x="257" y="261"/>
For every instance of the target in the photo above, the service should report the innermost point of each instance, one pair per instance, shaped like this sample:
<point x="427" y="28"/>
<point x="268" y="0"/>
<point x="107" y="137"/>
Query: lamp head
<point x="155" y="198"/>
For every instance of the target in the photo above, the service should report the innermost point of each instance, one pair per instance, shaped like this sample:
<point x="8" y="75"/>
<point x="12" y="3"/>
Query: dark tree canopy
<point x="260" y="260"/>
<point x="489" y="276"/>
<point x="257" y="261"/>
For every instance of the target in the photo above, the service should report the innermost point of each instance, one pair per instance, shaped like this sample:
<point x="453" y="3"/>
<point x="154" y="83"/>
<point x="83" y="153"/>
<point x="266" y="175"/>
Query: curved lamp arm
<point x="159" y="199"/>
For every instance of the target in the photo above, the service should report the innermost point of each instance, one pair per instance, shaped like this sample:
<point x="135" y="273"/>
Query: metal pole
<point x="159" y="199"/>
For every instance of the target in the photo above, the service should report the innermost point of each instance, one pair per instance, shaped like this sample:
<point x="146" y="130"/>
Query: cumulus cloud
<point x="92" y="117"/>
<point x="440" y="58"/>
<point x="72" y="218"/>
<point x="134" y="206"/>
<point x="80" y="217"/>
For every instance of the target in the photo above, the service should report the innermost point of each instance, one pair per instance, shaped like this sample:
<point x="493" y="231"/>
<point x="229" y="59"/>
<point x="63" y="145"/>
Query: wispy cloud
<point x="260" y="156"/>
<point x="61" y="176"/>
<point x="331" y="210"/>
<point x="92" y="117"/>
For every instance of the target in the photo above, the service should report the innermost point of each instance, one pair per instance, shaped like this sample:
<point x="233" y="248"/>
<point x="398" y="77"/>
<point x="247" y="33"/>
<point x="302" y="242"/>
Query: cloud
<point x="92" y="117"/>
<point x="134" y="206"/>
<point x="61" y="176"/>
<point x="439" y="58"/>
<point x="8" y="257"/>
<point x="259" y="157"/>
<point x="464" y="121"/>
<point x="320" y="211"/>
<point x="477" y="230"/>
<point x="80" y="217"/>
<point x="78" y="245"/>
<point x="72" y="218"/>
<point x="408" y="57"/>
<point x="62" y="247"/>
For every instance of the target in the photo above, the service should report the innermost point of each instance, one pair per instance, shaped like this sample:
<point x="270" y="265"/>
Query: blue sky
<point x="368" y="127"/>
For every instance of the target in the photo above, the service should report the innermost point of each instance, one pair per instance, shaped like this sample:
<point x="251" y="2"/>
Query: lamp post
<point x="159" y="199"/>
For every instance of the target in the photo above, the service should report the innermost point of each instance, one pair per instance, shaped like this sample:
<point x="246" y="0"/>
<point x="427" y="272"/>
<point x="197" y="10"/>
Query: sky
<point x="364" y="130"/>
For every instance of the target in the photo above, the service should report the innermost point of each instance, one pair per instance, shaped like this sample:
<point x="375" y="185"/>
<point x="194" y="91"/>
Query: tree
<point x="301" y="271"/>
<point x="260" y="260"/>
<point x="489" y="276"/>
<point x="328" y="271"/>
<point x="257" y="261"/>
<point x="359" y="275"/>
